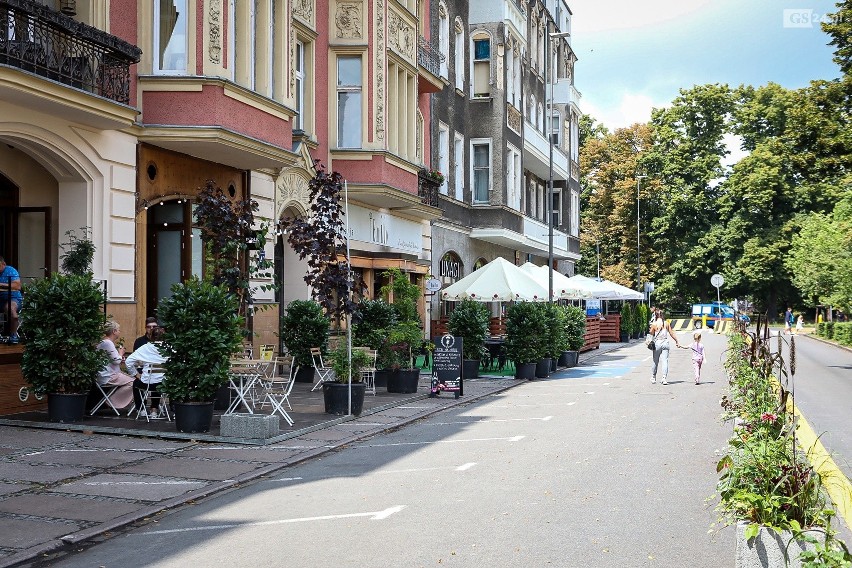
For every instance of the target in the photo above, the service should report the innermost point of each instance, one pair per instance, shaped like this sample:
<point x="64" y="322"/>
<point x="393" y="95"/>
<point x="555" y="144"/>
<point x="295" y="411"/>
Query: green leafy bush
<point x="406" y="334"/>
<point x="469" y="320"/>
<point x="203" y="332"/>
<point x="843" y="333"/>
<point x="303" y="327"/>
<point x="340" y="363"/>
<point x="555" y="333"/>
<point x="65" y="322"/>
<point x="575" y="327"/>
<point x="525" y="342"/>
<point x="626" y="318"/>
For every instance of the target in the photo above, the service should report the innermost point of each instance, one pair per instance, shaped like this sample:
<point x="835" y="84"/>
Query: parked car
<point x="715" y="311"/>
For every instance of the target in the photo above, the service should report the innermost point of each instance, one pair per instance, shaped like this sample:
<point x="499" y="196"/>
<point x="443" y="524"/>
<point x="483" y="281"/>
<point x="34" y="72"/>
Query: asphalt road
<point x="595" y="468"/>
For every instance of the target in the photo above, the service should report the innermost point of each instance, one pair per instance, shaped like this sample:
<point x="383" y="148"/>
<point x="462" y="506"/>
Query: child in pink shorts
<point x="697" y="355"/>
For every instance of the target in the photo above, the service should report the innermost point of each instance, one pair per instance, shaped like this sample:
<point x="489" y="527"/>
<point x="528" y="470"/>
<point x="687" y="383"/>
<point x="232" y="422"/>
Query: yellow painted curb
<point x="837" y="485"/>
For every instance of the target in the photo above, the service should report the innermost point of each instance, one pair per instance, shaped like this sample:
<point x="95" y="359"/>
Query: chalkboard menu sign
<point x="447" y="366"/>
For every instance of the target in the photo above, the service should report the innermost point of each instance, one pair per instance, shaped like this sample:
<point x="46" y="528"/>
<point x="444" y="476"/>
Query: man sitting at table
<point x="10" y="281"/>
<point x="148" y="353"/>
<point x="150" y="324"/>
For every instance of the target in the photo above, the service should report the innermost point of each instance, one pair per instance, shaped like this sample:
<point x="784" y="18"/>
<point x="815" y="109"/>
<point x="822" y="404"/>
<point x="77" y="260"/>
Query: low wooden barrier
<point x="16" y="395"/>
<point x="592" y="337"/>
<point x="611" y="328"/>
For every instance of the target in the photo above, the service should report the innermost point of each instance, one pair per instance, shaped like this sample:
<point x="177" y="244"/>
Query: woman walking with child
<point x="661" y="332"/>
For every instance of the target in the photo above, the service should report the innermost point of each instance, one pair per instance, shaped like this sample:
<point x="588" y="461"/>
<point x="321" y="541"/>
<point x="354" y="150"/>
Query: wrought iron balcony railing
<point x="427" y="189"/>
<point x="43" y="41"/>
<point x="429" y="56"/>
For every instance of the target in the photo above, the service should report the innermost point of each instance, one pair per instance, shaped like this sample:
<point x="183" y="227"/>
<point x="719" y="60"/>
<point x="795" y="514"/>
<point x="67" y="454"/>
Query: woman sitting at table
<point x="111" y="373"/>
<point x="149" y="353"/>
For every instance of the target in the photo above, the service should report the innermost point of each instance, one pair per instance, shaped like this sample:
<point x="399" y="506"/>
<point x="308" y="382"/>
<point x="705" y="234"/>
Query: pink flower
<point x="768" y="417"/>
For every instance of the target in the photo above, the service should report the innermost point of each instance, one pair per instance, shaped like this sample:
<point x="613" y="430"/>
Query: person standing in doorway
<point x="10" y="297"/>
<point x="661" y="330"/>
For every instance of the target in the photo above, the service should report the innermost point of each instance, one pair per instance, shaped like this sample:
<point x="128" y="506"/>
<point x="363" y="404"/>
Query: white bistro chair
<point x="325" y="373"/>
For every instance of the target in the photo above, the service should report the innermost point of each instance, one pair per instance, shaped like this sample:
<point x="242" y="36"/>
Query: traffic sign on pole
<point x="717" y="280"/>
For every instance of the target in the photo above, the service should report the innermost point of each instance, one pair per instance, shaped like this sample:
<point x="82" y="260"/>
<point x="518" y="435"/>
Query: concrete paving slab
<point x="23" y="533"/>
<point x="212" y="470"/>
<point x="6" y="488"/>
<point x="95" y="457"/>
<point x="34" y="438"/>
<point x="14" y="471"/>
<point x="263" y="455"/>
<point x="139" y="487"/>
<point x="133" y="443"/>
<point x="62" y="507"/>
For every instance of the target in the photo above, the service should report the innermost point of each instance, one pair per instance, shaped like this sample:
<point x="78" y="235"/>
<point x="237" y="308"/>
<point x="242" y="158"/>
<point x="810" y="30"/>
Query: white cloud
<point x="606" y="15"/>
<point x="734" y="145"/>
<point x="632" y="108"/>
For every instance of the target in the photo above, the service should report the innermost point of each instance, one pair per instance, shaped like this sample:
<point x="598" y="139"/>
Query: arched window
<point x="451" y="267"/>
<point x="444" y="37"/>
<point x="458" y="62"/>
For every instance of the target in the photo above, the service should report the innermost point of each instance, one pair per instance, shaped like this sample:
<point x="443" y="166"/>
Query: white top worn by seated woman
<point x="148" y="353"/>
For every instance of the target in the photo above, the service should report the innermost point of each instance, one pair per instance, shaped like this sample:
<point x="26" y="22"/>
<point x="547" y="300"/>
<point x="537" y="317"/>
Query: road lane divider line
<point x="836" y="484"/>
<point x="489" y="420"/>
<point x="466" y="466"/>
<point x="374" y="516"/>
<point x="511" y="439"/>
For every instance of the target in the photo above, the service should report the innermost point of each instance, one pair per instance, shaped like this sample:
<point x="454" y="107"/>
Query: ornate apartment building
<point x="493" y="127"/>
<point x="114" y="113"/>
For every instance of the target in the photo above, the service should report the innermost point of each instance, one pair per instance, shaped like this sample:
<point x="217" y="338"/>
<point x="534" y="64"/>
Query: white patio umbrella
<point x="625" y="292"/>
<point x="594" y="288"/>
<point x="562" y="287"/>
<point x="497" y="281"/>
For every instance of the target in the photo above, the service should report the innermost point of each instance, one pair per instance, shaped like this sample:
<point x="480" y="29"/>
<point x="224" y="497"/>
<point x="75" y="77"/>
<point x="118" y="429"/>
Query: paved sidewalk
<point x="59" y="487"/>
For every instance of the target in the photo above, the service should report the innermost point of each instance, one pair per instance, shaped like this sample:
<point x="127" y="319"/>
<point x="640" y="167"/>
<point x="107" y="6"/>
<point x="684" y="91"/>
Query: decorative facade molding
<point x="459" y="25"/>
<point x="379" y="96"/>
<point x="292" y="188"/>
<point x="513" y="118"/>
<point x="401" y="37"/>
<point x="348" y="20"/>
<point x="304" y="10"/>
<point x="214" y="18"/>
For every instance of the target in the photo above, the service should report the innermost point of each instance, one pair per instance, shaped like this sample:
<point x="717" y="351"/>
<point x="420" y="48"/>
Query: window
<point x="555" y="129"/>
<point x="402" y="111"/>
<point x="531" y="199"/>
<point x="514" y="178"/>
<point x="482" y="67"/>
<point x="539" y="115"/>
<point x="557" y="207"/>
<point x="458" y="64"/>
<point x="481" y="151"/>
<point x="299" y="66"/>
<point x="510" y="79"/>
<point x="349" y="101"/>
<point x="575" y="139"/>
<point x="458" y="164"/>
<point x="575" y="214"/>
<point x="170" y="49"/>
<point x="444" y="155"/>
<point x="444" y="38"/>
<point x="541" y="204"/>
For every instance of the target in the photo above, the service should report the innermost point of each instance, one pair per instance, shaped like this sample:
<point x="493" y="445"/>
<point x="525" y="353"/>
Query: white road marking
<point x="114" y="450"/>
<point x="374" y="515"/>
<point x="531" y="405"/>
<point x="487" y="420"/>
<point x="142" y="482"/>
<point x="512" y="439"/>
<point x="466" y="466"/>
<point x="285" y="479"/>
<point x="415" y="407"/>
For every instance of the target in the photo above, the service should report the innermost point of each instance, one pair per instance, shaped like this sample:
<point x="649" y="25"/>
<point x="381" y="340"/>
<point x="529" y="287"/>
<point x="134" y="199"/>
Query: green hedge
<point x="843" y="333"/>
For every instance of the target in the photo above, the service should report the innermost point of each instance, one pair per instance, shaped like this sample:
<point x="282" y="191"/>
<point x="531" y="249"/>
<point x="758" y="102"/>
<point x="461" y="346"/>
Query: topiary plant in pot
<point x="65" y="321"/>
<point x="336" y="393"/>
<point x="626" y="325"/>
<point x="370" y="324"/>
<point x="554" y="333"/>
<point x="203" y="332"/>
<point x="406" y="334"/>
<point x="524" y="340"/>
<point x="469" y="320"/>
<point x="303" y="327"/>
<point x="575" y="329"/>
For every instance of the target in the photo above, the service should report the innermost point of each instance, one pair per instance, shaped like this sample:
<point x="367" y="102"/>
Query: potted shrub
<point x="336" y="393"/>
<point x="405" y="335"/>
<point x="575" y="329"/>
<point x="64" y="326"/>
<point x="524" y="340"/>
<point x="554" y="333"/>
<point x="65" y="322"/>
<point x="370" y="324"/>
<point x="626" y="325"/>
<point x="203" y="332"/>
<point x="303" y="326"/>
<point x="470" y="321"/>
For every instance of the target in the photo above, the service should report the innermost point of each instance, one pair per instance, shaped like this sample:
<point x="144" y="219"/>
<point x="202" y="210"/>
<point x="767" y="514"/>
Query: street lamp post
<point x="638" y="270"/>
<point x="549" y="205"/>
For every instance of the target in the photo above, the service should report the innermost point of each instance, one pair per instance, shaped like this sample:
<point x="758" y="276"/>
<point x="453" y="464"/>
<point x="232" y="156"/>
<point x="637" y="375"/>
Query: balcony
<point x="531" y="236"/>
<point x="537" y="155"/>
<point x="564" y="93"/>
<point x="42" y="41"/>
<point x="427" y="189"/>
<point x="429" y="59"/>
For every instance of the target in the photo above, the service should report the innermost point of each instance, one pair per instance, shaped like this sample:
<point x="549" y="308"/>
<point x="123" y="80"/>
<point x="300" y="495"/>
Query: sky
<point x="635" y="55"/>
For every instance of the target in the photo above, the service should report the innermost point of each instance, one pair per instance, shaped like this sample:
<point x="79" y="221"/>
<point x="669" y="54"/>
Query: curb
<point x="826" y="341"/>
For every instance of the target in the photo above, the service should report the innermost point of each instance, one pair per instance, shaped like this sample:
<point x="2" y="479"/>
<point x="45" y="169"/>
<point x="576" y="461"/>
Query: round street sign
<point x="717" y="280"/>
<point x="433" y="285"/>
